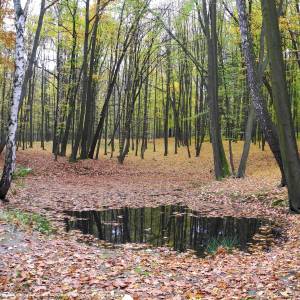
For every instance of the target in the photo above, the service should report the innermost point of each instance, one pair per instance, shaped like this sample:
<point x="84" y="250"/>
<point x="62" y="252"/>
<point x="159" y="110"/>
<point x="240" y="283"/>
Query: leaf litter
<point x="61" y="266"/>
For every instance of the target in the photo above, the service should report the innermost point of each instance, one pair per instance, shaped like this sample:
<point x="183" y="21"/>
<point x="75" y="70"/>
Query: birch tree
<point x="10" y="154"/>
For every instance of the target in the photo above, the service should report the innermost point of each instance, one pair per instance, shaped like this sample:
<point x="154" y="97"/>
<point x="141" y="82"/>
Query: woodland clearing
<point x="149" y="149"/>
<point x="70" y="265"/>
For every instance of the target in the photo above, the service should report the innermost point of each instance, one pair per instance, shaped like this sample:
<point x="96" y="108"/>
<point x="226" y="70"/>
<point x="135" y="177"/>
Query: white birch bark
<point x="10" y="155"/>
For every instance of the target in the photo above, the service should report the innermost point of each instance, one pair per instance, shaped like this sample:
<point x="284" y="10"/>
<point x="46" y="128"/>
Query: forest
<point x="149" y="149"/>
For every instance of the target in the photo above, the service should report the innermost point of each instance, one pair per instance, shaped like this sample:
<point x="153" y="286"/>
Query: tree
<point x="259" y="103"/>
<point x="71" y="94"/>
<point x="135" y="73"/>
<point x="33" y="52"/>
<point x="115" y="68"/>
<point x="251" y="111"/>
<point x="87" y="131"/>
<point x="80" y="125"/>
<point x="209" y="27"/>
<point x="287" y="140"/>
<point x="10" y="154"/>
<point x="6" y="46"/>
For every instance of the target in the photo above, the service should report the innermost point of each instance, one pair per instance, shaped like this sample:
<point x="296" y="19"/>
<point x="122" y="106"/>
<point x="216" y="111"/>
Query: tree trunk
<point x="247" y="144"/>
<point x="78" y="135"/>
<point x="3" y="123"/>
<point x="87" y="129"/>
<point x="145" y="124"/>
<point x="251" y="114"/>
<point x="59" y="91"/>
<point x="42" y="109"/>
<point x="10" y="154"/>
<point x="72" y="88"/>
<point x="167" y="103"/>
<point x="32" y="83"/>
<point x="287" y="140"/>
<point x="137" y="132"/>
<point x="259" y="104"/>
<point x="31" y="59"/>
<point x="220" y="161"/>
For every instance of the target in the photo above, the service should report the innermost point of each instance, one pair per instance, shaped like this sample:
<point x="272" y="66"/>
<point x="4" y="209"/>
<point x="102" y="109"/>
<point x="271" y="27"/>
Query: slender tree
<point x="10" y="154"/>
<point x="259" y="103"/>
<point x="287" y="140"/>
<point x="209" y="27"/>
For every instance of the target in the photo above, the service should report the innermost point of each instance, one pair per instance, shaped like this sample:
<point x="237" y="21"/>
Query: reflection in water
<point x="173" y="226"/>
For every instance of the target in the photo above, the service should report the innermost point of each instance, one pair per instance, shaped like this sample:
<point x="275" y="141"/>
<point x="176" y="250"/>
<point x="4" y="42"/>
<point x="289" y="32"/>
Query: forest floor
<point x="60" y="265"/>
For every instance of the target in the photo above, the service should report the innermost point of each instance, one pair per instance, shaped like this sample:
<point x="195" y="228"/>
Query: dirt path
<point x="11" y="239"/>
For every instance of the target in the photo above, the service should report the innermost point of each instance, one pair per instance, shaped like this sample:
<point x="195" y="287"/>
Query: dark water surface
<point x="174" y="226"/>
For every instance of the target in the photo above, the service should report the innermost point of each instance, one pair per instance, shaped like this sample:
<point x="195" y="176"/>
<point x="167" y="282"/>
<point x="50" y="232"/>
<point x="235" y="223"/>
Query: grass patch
<point x="20" y="183"/>
<point x="280" y="203"/>
<point x="33" y="220"/>
<point x="21" y="172"/>
<point x="226" y="243"/>
<point x="141" y="271"/>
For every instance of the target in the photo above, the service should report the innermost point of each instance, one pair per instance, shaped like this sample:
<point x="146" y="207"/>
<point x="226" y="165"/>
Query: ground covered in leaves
<point x="40" y="261"/>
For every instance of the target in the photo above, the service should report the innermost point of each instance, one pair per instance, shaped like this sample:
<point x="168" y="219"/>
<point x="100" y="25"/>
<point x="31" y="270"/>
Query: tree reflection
<point x="174" y="226"/>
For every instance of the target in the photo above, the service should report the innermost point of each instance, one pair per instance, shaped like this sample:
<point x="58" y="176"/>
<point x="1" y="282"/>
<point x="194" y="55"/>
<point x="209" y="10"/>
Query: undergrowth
<point x="215" y="243"/>
<point x="21" y="172"/>
<point x="25" y="219"/>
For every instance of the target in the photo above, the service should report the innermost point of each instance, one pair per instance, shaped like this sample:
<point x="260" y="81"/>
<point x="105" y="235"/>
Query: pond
<point x="174" y="226"/>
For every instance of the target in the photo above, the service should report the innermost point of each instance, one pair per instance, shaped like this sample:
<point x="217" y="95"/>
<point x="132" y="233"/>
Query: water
<point x="173" y="226"/>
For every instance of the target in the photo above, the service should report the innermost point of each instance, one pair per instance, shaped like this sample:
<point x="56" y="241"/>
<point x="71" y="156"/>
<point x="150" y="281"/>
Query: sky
<point x="34" y="9"/>
<point x="35" y="5"/>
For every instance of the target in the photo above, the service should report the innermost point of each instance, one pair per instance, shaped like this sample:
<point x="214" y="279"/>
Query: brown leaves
<point x="69" y="269"/>
<point x="118" y="283"/>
